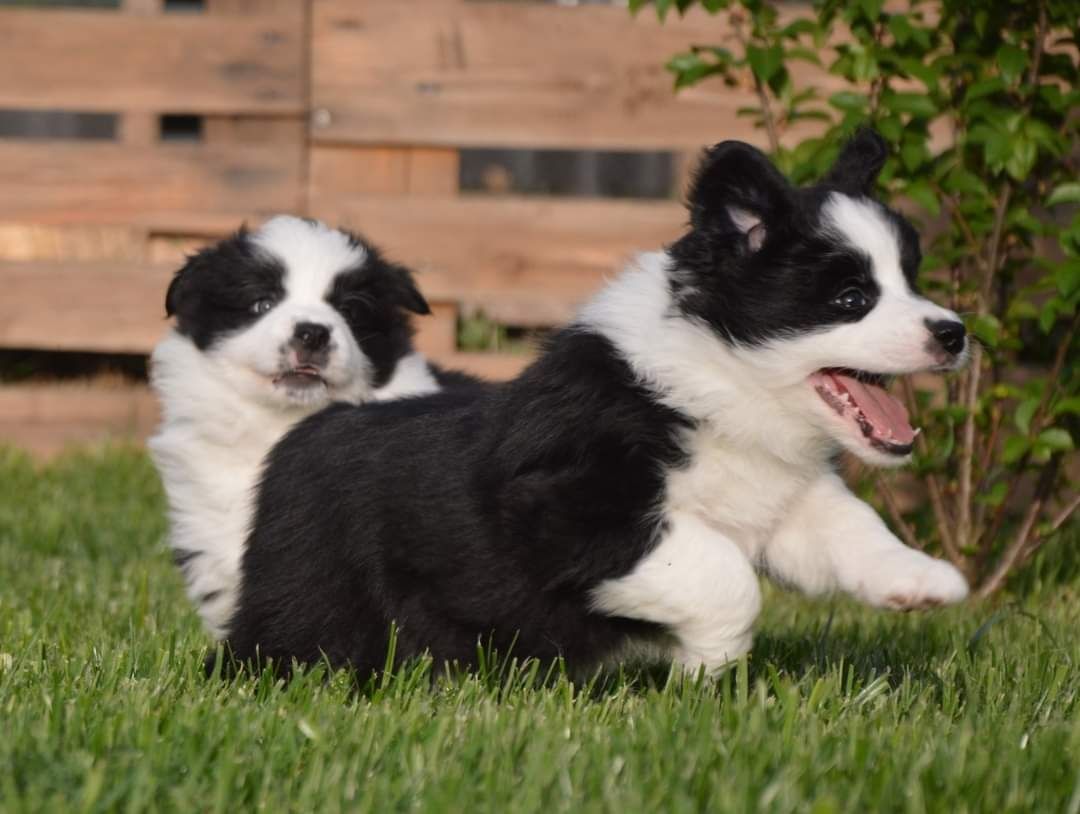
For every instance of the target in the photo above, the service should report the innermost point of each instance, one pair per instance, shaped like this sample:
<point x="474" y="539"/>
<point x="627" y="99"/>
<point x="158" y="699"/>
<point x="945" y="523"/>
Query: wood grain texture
<point x="108" y="61"/>
<point x="514" y="74"/>
<point x="337" y="170"/>
<point x="45" y="419"/>
<point x="523" y="261"/>
<point x="106" y="307"/>
<point x="105" y="182"/>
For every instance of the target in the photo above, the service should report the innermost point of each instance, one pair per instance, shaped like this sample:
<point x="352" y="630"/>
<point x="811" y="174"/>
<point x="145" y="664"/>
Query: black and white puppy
<point x="625" y="490"/>
<point x="271" y="325"/>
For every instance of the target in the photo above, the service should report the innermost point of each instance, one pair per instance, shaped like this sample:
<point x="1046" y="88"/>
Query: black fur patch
<point x="791" y="282"/>
<point x="214" y="296"/>
<point x="483" y="515"/>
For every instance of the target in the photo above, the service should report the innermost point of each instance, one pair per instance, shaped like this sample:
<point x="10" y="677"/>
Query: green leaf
<point x="917" y="104"/>
<point x="1022" y="309"/>
<point x="764" y="62"/>
<point x="1056" y="439"/>
<point x="849" y="101"/>
<point x="1071" y="405"/>
<point x="797" y="28"/>
<point x="921" y="192"/>
<point x="1014" y="449"/>
<point x="804" y="55"/>
<point x="1067" y="277"/>
<point x="1024" y="414"/>
<point x="872" y="8"/>
<point x="984" y="87"/>
<point x="900" y="28"/>
<point x="1022" y="158"/>
<point x="986" y="327"/>
<point x="1011" y="62"/>
<point x="996" y="494"/>
<point x="1048" y="316"/>
<point x="1069" y="192"/>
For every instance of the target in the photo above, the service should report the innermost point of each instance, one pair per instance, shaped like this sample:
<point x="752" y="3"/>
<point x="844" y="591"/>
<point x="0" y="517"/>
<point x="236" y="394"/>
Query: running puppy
<point x="271" y="326"/>
<point x="625" y="490"/>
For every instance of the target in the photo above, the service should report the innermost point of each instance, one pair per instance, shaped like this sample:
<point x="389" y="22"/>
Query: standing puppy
<point x="271" y="326"/>
<point x="624" y="491"/>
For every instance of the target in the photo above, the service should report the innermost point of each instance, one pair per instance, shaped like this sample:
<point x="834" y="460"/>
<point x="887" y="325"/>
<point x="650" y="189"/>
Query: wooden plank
<point x="436" y="333"/>
<point x="87" y="60"/>
<point x="47" y="418"/>
<point x="351" y="170"/>
<point x="81" y="306"/>
<point x="103" y="182"/>
<point x="524" y="261"/>
<point x="34" y="241"/>
<point x="516" y="74"/>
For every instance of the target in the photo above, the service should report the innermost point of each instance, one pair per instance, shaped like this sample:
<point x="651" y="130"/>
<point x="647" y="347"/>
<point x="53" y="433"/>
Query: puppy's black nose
<point x="311" y="336"/>
<point x="949" y="333"/>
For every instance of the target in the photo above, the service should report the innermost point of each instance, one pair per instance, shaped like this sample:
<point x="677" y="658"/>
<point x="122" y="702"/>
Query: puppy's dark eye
<point x="260" y="307"/>
<point x="850" y="299"/>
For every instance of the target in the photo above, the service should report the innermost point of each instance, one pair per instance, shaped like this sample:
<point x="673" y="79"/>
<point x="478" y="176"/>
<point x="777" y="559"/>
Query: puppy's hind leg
<point x="697" y="584"/>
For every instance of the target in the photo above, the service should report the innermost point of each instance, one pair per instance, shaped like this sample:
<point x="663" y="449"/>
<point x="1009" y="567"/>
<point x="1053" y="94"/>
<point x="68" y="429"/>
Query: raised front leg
<point x="831" y="540"/>
<point x="699" y="585"/>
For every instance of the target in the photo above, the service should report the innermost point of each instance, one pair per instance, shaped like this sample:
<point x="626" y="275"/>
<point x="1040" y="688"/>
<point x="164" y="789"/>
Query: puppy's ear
<point x="859" y="162"/>
<point x="178" y="289"/>
<point x="403" y="290"/>
<point x="737" y="189"/>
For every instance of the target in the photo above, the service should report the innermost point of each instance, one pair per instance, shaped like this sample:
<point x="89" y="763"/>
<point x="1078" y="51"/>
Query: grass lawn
<point x="103" y="705"/>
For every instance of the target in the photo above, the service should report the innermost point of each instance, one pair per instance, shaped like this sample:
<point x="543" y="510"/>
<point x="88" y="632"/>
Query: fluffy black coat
<point x="448" y="524"/>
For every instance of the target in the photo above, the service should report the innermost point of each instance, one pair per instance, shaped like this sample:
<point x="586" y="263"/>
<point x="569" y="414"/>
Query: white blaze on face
<point x="312" y="255"/>
<point x="893" y="337"/>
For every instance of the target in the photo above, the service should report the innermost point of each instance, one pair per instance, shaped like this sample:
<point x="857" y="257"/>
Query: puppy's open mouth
<point x="300" y="378"/>
<point x="861" y="400"/>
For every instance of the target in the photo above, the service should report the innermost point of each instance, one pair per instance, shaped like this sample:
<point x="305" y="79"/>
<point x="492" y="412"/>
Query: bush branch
<point x="903" y="528"/>
<point x="933" y="487"/>
<point x="967" y="449"/>
<point x="1013" y="553"/>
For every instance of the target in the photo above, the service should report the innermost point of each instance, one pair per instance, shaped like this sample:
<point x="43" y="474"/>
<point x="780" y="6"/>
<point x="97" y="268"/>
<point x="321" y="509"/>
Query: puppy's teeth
<point x="917" y="431"/>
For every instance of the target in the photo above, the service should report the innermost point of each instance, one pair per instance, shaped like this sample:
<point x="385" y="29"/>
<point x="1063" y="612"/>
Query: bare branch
<point x="967" y="449"/>
<point x="933" y="487"/>
<point x="990" y="269"/>
<point x="903" y="528"/>
<point x="767" y="114"/>
<point x="1016" y="549"/>
<point x="1037" y="426"/>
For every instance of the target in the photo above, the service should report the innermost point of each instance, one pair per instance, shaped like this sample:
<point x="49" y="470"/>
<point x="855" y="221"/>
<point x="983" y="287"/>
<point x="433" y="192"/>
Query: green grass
<point x="103" y="705"/>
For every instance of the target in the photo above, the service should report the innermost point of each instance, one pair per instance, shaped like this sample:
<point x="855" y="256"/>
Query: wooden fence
<point x="353" y="111"/>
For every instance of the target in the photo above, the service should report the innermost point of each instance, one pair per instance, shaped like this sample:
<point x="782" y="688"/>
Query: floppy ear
<point x="403" y="290"/>
<point x="737" y="189"/>
<point x="859" y="162"/>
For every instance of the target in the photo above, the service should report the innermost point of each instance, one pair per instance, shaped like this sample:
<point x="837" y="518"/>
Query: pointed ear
<point x="404" y="292"/>
<point x="737" y="189"/>
<point x="859" y="162"/>
<point x="177" y="289"/>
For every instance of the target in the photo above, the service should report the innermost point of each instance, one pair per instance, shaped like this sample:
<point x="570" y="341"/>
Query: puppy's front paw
<point x="909" y="580"/>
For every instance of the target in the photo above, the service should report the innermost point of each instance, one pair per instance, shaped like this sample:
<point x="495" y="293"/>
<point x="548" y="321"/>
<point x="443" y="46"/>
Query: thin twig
<point x="763" y="96"/>
<point x="1012" y="554"/>
<point x="967" y="449"/>
<point x="933" y="487"/>
<point x="991" y="267"/>
<point x="903" y="528"/>
<point x="1036" y="426"/>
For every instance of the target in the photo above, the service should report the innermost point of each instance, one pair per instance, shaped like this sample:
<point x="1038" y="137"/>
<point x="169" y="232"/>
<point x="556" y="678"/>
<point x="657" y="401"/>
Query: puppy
<point x="271" y="326"/>
<point x="624" y="491"/>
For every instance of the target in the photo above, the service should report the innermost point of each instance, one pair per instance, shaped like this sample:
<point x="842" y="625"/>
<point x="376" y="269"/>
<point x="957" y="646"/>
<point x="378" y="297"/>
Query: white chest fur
<point x="742" y="493"/>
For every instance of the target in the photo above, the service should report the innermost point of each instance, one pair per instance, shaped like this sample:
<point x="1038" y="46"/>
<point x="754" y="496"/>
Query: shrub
<point x="979" y="99"/>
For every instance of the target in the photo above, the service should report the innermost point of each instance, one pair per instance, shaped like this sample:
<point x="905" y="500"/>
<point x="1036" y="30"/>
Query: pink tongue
<point x="883" y="411"/>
